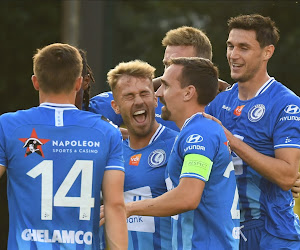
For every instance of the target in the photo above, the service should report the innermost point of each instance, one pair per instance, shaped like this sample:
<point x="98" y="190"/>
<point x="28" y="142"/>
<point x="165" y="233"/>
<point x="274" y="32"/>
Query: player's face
<point x="136" y="101"/>
<point x="244" y="55"/>
<point x="178" y="51"/>
<point x="170" y="93"/>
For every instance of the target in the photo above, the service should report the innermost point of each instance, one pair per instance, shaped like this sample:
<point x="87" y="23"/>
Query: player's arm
<point x="185" y="197"/>
<point x="115" y="213"/>
<point x="296" y="187"/>
<point x="2" y="170"/>
<point x="281" y="170"/>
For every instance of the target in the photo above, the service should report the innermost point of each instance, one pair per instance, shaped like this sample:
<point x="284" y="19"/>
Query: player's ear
<point x="189" y="92"/>
<point x="268" y="51"/>
<point x="35" y="83"/>
<point x="78" y="83"/>
<point x="115" y="107"/>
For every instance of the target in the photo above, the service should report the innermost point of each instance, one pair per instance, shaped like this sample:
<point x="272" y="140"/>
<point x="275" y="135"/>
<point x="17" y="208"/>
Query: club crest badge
<point x="256" y="112"/>
<point x="157" y="158"/>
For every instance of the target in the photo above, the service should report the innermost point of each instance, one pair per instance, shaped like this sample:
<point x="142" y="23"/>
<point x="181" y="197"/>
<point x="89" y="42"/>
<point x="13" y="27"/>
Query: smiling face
<point x="244" y="55"/>
<point x="134" y="99"/>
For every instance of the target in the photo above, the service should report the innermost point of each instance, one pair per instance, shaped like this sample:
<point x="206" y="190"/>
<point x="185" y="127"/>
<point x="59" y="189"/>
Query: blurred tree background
<point x="115" y="31"/>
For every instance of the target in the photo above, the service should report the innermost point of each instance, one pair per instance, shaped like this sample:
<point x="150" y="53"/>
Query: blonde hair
<point x="135" y="68"/>
<point x="189" y="36"/>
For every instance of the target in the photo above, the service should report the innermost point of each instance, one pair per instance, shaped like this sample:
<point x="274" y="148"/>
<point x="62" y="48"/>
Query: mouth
<point x="236" y="66"/>
<point x="140" y="116"/>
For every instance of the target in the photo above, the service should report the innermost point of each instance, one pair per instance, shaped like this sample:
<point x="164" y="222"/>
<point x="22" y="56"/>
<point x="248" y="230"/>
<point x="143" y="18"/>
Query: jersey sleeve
<point x="198" y="150"/>
<point x="3" y="158"/>
<point x="287" y="128"/>
<point x="101" y="104"/>
<point x="115" y="160"/>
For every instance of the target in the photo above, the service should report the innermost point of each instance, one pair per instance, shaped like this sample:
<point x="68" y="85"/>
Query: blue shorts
<point x="254" y="236"/>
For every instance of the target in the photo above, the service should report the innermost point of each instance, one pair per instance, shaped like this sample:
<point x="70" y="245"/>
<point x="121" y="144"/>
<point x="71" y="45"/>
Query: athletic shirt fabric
<point x="145" y="179"/>
<point x="269" y="121"/>
<point x="214" y="224"/>
<point x="55" y="157"/>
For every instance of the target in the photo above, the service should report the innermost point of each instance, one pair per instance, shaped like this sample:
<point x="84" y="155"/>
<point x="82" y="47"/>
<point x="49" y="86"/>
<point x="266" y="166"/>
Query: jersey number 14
<point x="85" y="202"/>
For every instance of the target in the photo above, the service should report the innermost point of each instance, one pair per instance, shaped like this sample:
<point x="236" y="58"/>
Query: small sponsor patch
<point x="135" y="160"/>
<point x="238" y="110"/>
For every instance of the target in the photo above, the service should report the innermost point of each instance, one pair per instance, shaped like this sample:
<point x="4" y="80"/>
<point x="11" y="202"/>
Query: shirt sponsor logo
<point x="238" y="110"/>
<point x="63" y="236"/>
<point x="292" y="109"/>
<point x="192" y="147"/>
<point x="33" y="144"/>
<point x="135" y="160"/>
<point x="256" y="113"/>
<point x="106" y="95"/>
<point x="290" y="118"/>
<point x="66" y="146"/>
<point x="194" y="138"/>
<point x="157" y="158"/>
<point x="226" y="107"/>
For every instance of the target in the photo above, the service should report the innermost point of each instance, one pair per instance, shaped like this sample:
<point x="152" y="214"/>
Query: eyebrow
<point x="163" y="81"/>
<point x="239" y="44"/>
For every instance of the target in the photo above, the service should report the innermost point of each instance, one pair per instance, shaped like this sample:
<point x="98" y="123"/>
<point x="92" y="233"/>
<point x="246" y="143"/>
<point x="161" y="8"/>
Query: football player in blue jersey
<point x="145" y="152"/>
<point x="202" y="197"/>
<point x="57" y="160"/>
<point x="183" y="41"/>
<point x="263" y="117"/>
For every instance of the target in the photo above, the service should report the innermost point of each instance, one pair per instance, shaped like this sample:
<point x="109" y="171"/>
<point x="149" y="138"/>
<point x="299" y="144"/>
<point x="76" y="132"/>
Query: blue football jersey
<point x="214" y="224"/>
<point x="266" y="122"/>
<point x="145" y="179"/>
<point x="101" y="104"/>
<point x="55" y="157"/>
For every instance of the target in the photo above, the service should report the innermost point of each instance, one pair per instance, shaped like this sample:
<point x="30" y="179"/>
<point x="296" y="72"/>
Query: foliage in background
<point x="25" y="26"/>
<point x="134" y="29"/>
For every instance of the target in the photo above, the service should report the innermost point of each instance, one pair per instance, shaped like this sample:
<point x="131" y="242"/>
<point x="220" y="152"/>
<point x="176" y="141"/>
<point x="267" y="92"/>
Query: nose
<point x="159" y="91"/>
<point x="233" y="53"/>
<point x="138" y="100"/>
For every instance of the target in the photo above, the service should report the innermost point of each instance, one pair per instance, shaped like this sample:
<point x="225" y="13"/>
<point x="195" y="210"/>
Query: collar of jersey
<point x="57" y="105"/>
<point x="157" y="133"/>
<point x="265" y="86"/>
<point x="189" y="119"/>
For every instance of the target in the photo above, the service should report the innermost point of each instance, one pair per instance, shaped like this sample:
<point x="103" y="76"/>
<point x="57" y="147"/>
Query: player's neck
<point x="248" y="89"/>
<point x="188" y="112"/>
<point x="61" y="98"/>
<point x="138" y="142"/>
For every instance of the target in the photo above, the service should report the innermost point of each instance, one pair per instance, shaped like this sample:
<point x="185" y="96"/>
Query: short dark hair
<point x="57" y="66"/>
<point x="202" y="74"/>
<point x="266" y="31"/>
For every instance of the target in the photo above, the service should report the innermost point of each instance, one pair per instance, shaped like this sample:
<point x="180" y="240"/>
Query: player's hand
<point x="230" y="137"/>
<point x="124" y="133"/>
<point x="222" y="85"/>
<point x="296" y="187"/>
<point x="102" y="216"/>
